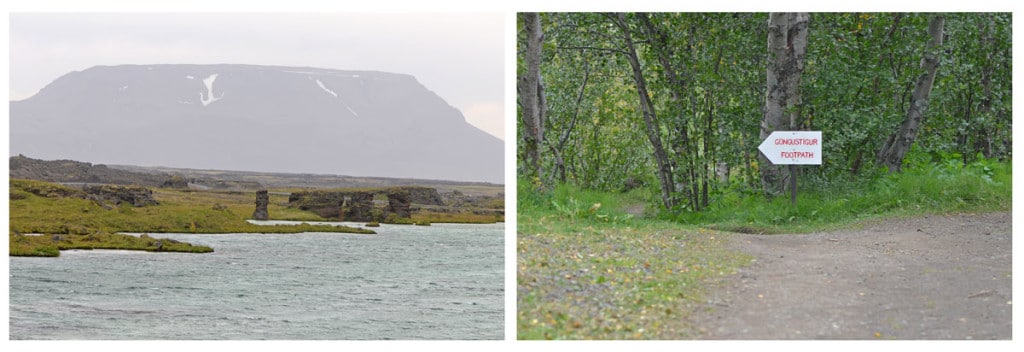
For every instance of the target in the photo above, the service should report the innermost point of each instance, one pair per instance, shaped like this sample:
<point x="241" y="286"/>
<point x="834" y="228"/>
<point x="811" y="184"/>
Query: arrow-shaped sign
<point x="792" y="147"/>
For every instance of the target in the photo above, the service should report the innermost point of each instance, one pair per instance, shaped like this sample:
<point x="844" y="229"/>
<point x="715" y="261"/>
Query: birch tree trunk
<point x="787" y="45"/>
<point x="529" y="96"/>
<point x="896" y="147"/>
<point x="649" y="115"/>
<point x="684" y="163"/>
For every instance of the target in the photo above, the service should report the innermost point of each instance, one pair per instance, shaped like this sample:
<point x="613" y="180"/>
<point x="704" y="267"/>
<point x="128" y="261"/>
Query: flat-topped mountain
<point x="255" y="118"/>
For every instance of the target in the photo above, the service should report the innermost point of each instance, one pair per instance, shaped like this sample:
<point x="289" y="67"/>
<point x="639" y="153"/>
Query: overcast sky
<point x="459" y="56"/>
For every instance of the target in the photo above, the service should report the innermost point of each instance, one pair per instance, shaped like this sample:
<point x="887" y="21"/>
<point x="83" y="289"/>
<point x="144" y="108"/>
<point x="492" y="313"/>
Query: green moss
<point x="395" y="220"/>
<point x="51" y="245"/>
<point x="464" y="216"/>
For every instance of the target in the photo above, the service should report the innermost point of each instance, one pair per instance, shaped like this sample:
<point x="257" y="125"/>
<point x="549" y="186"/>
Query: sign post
<point x="792" y="148"/>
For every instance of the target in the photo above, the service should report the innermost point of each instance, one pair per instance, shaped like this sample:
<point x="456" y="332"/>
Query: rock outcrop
<point x="325" y="204"/>
<point x="358" y="205"/>
<point x="262" y="200"/>
<point x="176" y="182"/>
<point x="398" y="204"/>
<point x="424" y="195"/>
<point x="74" y="173"/>
<point x="137" y="196"/>
<point x="70" y="171"/>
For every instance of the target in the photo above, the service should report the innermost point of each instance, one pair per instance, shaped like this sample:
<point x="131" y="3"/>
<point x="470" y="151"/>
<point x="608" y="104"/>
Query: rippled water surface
<point x="407" y="282"/>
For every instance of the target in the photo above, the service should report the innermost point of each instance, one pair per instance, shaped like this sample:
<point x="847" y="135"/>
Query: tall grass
<point x="929" y="188"/>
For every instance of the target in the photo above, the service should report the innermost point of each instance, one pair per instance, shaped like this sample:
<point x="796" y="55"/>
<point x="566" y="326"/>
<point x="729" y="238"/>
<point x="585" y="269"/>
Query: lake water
<point x="407" y="282"/>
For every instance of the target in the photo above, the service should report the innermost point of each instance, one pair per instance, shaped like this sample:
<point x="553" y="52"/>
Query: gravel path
<point x="930" y="277"/>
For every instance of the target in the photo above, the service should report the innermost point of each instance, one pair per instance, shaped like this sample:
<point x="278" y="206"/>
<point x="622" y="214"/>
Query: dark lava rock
<point x="262" y="199"/>
<point x="398" y="203"/>
<point x="137" y="196"/>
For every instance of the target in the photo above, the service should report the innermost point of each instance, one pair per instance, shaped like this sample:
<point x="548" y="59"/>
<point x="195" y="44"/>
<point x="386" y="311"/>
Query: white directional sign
<point x="792" y="147"/>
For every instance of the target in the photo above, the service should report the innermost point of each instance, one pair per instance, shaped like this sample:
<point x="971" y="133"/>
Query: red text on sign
<point x="796" y="141"/>
<point x="797" y="155"/>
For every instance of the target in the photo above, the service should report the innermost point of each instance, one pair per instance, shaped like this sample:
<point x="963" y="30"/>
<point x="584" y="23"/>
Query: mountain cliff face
<point x="255" y="118"/>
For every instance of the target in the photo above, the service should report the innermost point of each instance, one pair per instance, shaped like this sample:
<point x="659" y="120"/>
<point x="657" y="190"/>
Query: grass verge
<point x="588" y="270"/>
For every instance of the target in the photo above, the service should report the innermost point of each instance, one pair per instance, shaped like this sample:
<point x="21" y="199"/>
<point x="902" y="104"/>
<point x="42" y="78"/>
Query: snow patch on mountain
<point x="335" y="94"/>
<point x="349" y="108"/>
<point x="209" y="98"/>
<point x="321" y="84"/>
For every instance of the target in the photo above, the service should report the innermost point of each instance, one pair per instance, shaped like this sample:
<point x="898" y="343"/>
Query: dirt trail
<point x="931" y="277"/>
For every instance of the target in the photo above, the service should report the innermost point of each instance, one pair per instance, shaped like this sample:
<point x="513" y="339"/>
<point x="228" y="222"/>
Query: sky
<point x="459" y="56"/>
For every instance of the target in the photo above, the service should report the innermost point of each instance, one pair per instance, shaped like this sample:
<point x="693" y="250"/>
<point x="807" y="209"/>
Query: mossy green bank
<point x="45" y="208"/>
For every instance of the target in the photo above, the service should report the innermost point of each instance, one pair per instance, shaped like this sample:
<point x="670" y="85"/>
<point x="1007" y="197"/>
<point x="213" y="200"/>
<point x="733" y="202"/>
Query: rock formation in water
<point x="325" y="204"/>
<point x="357" y="205"/>
<point x="398" y="204"/>
<point x="262" y="200"/>
<point x="360" y="207"/>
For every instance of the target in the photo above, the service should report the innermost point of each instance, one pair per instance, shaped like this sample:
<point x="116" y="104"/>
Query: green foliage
<point x="859" y="72"/>
<point x="574" y="204"/>
<point x="924" y="187"/>
<point x="601" y="272"/>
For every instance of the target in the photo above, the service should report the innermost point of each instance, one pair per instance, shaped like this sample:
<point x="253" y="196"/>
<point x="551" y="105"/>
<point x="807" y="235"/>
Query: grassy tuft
<point x="930" y="188"/>
<point x="459" y="217"/>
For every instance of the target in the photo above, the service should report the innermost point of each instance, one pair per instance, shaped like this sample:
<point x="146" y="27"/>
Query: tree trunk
<point x="983" y="143"/>
<point x="684" y="163"/>
<point x="564" y="138"/>
<point x="529" y="93"/>
<point x="899" y="143"/>
<point x="649" y="115"/>
<point x="787" y="44"/>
